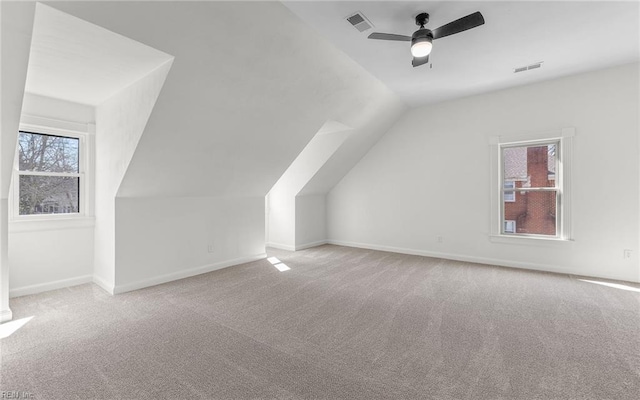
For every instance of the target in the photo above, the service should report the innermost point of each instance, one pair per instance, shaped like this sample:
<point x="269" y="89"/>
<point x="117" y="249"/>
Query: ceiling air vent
<point x="360" y="22"/>
<point x="528" y="67"/>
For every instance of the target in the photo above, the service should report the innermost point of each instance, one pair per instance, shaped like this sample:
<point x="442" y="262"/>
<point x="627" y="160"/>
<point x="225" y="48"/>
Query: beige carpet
<point x="341" y="324"/>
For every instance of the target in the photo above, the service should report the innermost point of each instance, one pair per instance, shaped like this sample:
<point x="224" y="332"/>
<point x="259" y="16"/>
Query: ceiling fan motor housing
<point x="421" y="35"/>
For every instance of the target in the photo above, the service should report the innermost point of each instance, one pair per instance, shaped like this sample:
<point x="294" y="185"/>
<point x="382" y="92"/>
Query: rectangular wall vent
<point x="360" y="22"/>
<point x="528" y="67"/>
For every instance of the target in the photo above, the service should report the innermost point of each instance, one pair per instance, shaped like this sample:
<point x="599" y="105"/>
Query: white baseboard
<point x="479" y="260"/>
<point x="111" y="289"/>
<point x="281" y="246"/>
<point x="184" y="274"/>
<point x="296" y="247"/>
<point x="310" y="245"/>
<point x="6" y="315"/>
<point x="103" y="284"/>
<point x="45" y="287"/>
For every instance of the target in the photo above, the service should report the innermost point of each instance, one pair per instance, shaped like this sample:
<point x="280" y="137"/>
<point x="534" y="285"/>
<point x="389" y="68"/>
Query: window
<point x="509" y="195"/>
<point x="532" y="195"/>
<point x="534" y="166"/>
<point x="49" y="176"/>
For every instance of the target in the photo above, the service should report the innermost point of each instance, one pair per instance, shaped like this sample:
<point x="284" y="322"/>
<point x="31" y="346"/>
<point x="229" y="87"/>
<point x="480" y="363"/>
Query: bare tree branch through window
<point x="49" y="174"/>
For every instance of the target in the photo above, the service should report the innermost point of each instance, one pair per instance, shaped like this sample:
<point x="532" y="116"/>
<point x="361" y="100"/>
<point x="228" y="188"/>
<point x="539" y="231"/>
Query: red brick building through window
<point x="532" y="211"/>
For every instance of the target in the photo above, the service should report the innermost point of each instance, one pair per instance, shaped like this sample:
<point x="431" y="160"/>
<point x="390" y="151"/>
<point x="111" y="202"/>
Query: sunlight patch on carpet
<point x="9" y="328"/>
<point x="278" y="264"/>
<point x="613" y="285"/>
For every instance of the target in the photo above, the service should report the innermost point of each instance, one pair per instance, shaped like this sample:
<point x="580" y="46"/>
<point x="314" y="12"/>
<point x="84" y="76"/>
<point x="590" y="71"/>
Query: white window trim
<point x="85" y="133"/>
<point x="563" y="174"/>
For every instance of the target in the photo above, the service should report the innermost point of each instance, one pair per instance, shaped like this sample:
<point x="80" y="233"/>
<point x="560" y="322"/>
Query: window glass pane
<point x="509" y="195"/>
<point x="509" y="226"/>
<point x="534" y="213"/>
<point x="530" y="166"/>
<point x="49" y="194"/>
<point x="48" y="153"/>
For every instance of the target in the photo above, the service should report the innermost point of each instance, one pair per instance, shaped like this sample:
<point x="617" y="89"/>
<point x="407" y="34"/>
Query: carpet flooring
<point x="342" y="323"/>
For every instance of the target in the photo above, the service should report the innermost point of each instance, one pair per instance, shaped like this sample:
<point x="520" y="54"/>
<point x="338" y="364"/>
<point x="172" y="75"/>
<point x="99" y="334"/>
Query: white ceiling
<point x="74" y="60"/>
<point x="568" y="36"/>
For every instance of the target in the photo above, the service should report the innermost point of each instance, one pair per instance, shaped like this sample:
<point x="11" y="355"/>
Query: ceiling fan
<point x="421" y="40"/>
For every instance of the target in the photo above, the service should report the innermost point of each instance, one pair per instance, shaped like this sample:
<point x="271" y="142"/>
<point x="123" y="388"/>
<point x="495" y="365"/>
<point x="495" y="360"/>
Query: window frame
<point x="44" y="126"/>
<point x="564" y="140"/>
<point x="557" y="188"/>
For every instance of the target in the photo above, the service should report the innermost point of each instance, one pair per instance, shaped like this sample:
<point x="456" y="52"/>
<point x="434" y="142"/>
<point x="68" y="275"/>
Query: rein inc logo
<point x="15" y="394"/>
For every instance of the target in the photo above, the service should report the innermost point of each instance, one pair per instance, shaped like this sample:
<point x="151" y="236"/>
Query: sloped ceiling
<point x="312" y="158"/>
<point x="73" y="60"/>
<point x="249" y="87"/>
<point x="16" y="24"/>
<point x="568" y="36"/>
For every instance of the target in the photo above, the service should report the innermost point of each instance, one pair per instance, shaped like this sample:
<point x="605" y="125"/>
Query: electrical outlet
<point x="439" y="239"/>
<point x="211" y="248"/>
<point x="626" y="253"/>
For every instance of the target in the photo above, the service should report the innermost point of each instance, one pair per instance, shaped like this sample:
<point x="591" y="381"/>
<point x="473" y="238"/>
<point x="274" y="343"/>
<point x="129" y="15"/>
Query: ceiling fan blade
<point x="418" y="61"/>
<point x="390" y="36"/>
<point x="459" y="25"/>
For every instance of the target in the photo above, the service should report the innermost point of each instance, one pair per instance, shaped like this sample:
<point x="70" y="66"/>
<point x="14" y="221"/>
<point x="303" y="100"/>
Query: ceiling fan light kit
<point x="421" y="47"/>
<point x="422" y="39"/>
<point x="421" y="43"/>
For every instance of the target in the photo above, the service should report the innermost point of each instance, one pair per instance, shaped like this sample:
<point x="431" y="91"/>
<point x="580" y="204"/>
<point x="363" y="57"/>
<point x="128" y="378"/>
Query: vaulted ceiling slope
<point x="76" y="61"/>
<point x="16" y="22"/>
<point x="249" y="87"/>
<point x="569" y="37"/>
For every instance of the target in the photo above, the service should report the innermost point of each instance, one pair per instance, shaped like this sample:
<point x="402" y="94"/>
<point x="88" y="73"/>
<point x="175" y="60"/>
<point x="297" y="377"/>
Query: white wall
<point x="120" y="122"/>
<point x="281" y="215"/>
<point x="163" y="239"/>
<point x="310" y="221"/>
<point x="429" y="176"/>
<point x="57" y="109"/>
<point x="43" y="259"/>
<point x="282" y="212"/>
<point x="16" y="23"/>
<point x="49" y="254"/>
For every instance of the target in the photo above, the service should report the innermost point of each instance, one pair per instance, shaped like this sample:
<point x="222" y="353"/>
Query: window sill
<point x="50" y="223"/>
<point x="529" y="240"/>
